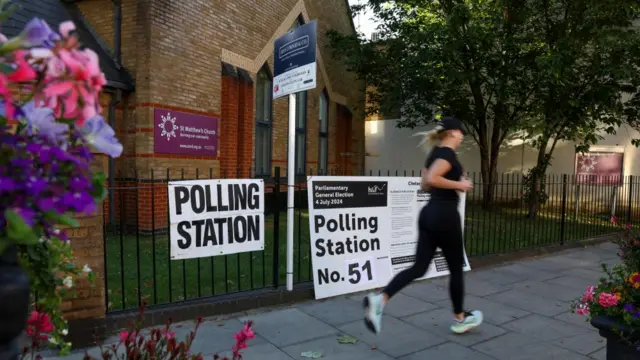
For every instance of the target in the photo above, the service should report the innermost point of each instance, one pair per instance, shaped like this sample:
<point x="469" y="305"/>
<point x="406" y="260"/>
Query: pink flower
<point x="582" y="309"/>
<point x="607" y="300"/>
<point x="168" y="334"/>
<point x="72" y="82"/>
<point x="614" y="220"/>
<point x="628" y="227"/>
<point x="127" y="336"/>
<point x="24" y="72"/>
<point x="590" y="292"/>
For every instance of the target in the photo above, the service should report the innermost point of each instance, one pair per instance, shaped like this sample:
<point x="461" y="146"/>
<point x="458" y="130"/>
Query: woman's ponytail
<point x="429" y="138"/>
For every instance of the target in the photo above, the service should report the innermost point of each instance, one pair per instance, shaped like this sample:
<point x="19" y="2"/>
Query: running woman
<point x="439" y="226"/>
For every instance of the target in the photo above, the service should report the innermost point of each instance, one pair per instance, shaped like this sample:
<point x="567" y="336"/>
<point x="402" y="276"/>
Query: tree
<point x="590" y="66"/>
<point x="473" y="59"/>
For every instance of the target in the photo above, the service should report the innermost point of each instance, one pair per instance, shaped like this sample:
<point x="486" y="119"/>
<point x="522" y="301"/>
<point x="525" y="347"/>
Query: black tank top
<point x="454" y="174"/>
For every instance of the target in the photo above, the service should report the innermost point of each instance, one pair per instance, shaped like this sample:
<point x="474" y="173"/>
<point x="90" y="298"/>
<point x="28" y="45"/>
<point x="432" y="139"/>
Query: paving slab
<point x="289" y="326"/>
<point x="332" y="350"/>
<point x="334" y="311"/>
<point x="438" y="322"/>
<point x="448" y="351"/>
<point x="572" y="282"/>
<point x="546" y="289"/>
<point x="514" y="346"/>
<point x="397" y="338"/>
<point x="532" y="303"/>
<point x="543" y="328"/>
<point x="599" y="355"/>
<point x="584" y="344"/>
<point x="575" y="319"/>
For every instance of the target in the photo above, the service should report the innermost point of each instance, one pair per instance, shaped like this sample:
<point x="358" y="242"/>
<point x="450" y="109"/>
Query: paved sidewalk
<point x="525" y="305"/>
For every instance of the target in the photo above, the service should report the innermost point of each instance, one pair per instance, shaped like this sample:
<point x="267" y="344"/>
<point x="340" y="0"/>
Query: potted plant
<point x="50" y="126"/>
<point x="613" y="305"/>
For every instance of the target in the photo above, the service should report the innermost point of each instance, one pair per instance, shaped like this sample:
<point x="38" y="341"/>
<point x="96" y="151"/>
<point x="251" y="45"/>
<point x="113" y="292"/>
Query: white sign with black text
<point x="215" y="217"/>
<point x="364" y="231"/>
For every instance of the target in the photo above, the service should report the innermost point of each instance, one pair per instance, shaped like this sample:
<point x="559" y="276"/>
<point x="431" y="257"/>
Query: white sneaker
<point x="373" y="312"/>
<point x="471" y="320"/>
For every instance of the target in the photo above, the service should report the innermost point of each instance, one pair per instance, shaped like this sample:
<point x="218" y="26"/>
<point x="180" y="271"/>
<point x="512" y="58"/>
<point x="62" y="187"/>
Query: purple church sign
<point x="182" y="133"/>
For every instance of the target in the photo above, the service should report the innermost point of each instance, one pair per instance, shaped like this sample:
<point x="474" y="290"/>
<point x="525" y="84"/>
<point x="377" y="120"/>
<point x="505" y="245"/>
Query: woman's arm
<point x="434" y="176"/>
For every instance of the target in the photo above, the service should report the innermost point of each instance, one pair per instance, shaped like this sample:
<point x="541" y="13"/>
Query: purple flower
<point x="45" y="204"/>
<point x="629" y="308"/>
<point x="80" y="202"/>
<point x="7" y="184"/>
<point x="35" y="186"/>
<point x="41" y="121"/>
<point x="37" y="33"/>
<point x="101" y="136"/>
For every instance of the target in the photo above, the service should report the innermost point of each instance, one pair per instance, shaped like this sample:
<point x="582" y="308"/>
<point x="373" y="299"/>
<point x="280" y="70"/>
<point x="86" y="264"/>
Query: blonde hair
<point x="429" y="138"/>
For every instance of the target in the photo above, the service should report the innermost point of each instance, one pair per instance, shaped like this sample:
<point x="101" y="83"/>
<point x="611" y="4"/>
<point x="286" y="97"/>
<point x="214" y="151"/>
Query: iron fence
<point x="139" y="268"/>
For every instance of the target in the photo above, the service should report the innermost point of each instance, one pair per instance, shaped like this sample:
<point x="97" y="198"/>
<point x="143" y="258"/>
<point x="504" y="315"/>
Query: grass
<point x="146" y="273"/>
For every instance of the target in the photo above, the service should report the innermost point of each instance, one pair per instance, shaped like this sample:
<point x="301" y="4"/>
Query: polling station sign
<point x="294" y="67"/>
<point x="364" y="231"/>
<point x="215" y="217"/>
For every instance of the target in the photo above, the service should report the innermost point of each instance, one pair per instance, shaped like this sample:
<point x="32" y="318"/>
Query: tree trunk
<point x="537" y="176"/>
<point x="488" y="171"/>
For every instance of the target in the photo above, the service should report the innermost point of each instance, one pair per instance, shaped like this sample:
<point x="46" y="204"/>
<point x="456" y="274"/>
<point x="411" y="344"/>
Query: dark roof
<point x="55" y="12"/>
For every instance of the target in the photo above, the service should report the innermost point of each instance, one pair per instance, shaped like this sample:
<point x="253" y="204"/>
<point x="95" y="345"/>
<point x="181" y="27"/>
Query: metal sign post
<point x="294" y="71"/>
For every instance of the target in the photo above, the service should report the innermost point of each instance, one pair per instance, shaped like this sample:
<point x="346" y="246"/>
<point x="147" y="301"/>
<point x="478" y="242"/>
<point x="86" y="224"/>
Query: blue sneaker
<point x="373" y="307"/>
<point x="471" y="320"/>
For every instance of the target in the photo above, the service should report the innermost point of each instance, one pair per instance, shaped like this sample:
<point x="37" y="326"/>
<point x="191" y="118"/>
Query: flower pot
<point x="14" y="303"/>
<point x="617" y="348"/>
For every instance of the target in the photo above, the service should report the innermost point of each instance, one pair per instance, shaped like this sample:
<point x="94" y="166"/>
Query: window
<point x="264" y="99"/>
<point x="323" y="143"/>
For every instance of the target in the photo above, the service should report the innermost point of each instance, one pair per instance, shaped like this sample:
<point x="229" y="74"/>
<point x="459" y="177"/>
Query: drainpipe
<point x="115" y="100"/>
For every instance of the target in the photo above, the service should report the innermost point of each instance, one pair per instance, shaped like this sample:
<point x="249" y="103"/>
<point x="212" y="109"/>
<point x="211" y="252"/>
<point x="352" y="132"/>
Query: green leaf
<point x="312" y="354"/>
<point x="346" y="339"/>
<point x="33" y="253"/>
<point x="67" y="220"/>
<point x="99" y="192"/>
<point x="61" y="219"/>
<point x="18" y="230"/>
<point x="6" y="68"/>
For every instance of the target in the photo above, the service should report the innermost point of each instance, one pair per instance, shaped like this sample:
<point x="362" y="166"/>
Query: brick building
<point x="214" y="59"/>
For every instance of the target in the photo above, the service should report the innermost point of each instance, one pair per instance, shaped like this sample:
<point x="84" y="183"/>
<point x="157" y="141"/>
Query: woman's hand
<point x="465" y="184"/>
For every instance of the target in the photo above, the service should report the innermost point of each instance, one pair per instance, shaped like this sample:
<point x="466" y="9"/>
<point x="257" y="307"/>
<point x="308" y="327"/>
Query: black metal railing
<point x="138" y="266"/>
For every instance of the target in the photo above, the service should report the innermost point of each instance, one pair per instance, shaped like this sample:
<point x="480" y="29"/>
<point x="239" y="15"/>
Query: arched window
<point x="264" y="123"/>
<point x="323" y="141"/>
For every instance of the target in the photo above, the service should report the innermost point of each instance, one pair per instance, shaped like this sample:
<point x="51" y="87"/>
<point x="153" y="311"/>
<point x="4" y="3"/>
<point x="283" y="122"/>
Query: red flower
<point x="39" y="323"/>
<point x="614" y="220"/>
<point x="24" y="72"/>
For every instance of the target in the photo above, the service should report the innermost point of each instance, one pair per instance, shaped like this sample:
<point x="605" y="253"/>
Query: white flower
<point x="68" y="281"/>
<point x="53" y="341"/>
<point x="64" y="332"/>
<point x="42" y="240"/>
<point x="86" y="269"/>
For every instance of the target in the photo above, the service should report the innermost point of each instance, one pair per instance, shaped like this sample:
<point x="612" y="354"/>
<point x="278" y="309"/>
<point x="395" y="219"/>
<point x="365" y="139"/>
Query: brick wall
<point x="175" y="48"/>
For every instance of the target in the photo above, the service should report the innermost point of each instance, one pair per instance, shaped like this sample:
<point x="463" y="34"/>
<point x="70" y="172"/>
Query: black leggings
<point x="439" y="227"/>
